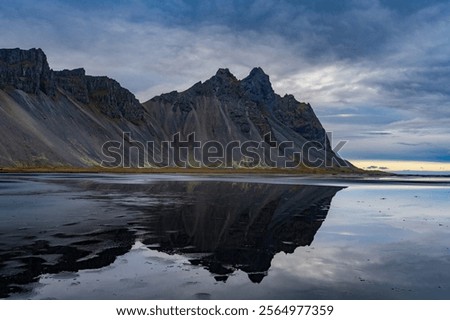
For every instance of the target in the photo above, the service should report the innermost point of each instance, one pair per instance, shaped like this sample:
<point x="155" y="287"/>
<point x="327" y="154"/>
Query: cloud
<point x="378" y="133"/>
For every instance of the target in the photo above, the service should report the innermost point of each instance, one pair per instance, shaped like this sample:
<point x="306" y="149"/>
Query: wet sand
<point x="106" y="236"/>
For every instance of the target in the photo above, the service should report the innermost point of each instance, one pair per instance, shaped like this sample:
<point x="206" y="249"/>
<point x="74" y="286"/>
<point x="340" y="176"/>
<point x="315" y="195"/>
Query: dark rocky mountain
<point x="63" y="118"/>
<point x="226" y="109"/>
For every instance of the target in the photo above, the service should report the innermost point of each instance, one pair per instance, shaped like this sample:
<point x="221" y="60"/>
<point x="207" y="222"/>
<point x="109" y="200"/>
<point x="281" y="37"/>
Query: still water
<point x="93" y="236"/>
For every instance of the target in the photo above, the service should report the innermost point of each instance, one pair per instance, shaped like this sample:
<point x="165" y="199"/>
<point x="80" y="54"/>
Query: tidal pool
<point x="91" y="236"/>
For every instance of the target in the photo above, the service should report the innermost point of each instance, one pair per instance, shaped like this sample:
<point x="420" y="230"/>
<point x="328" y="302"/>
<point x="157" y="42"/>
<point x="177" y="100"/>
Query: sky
<point x="376" y="72"/>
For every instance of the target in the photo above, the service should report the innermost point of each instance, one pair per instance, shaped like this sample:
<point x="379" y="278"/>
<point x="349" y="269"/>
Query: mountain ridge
<point x="66" y="117"/>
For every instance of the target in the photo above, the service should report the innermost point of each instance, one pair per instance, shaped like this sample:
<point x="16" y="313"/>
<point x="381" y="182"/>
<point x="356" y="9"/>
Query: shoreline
<point x="173" y="170"/>
<point x="320" y="174"/>
<point x="220" y="171"/>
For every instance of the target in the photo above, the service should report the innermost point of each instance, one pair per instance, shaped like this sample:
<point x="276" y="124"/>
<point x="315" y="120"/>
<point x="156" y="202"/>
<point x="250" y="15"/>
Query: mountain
<point x="63" y="118"/>
<point x="68" y="118"/>
<point x="225" y="109"/>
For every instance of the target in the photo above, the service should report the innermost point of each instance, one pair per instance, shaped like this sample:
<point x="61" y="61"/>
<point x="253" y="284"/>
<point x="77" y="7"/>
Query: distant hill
<point x="67" y="118"/>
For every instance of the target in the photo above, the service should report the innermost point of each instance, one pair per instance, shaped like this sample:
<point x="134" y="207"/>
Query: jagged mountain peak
<point x="257" y="72"/>
<point x="257" y="85"/>
<point x="256" y="76"/>
<point x="223" y="76"/>
<point x="224" y="72"/>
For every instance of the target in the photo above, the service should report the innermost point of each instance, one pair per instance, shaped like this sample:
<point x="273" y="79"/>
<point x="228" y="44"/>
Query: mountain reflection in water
<point x="222" y="226"/>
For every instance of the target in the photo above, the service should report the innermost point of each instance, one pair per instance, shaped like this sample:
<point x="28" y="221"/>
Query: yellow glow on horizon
<point x="390" y="165"/>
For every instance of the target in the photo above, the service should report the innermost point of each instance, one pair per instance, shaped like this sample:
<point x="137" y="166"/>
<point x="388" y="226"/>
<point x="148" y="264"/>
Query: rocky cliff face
<point x="102" y="92"/>
<point x="64" y="117"/>
<point x="26" y="70"/>
<point x="74" y="83"/>
<point x="112" y="99"/>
